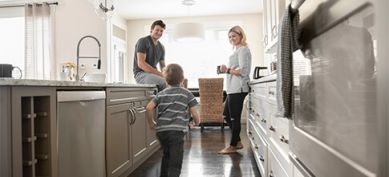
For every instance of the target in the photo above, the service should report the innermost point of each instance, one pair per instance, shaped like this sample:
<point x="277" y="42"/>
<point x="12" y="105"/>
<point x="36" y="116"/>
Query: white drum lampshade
<point x="188" y="32"/>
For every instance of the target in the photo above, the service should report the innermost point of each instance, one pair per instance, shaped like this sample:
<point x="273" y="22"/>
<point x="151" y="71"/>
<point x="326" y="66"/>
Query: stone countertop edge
<point x="268" y="78"/>
<point x="33" y="82"/>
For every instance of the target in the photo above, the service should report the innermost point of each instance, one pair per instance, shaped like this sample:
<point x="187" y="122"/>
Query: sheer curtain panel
<point x="39" y="53"/>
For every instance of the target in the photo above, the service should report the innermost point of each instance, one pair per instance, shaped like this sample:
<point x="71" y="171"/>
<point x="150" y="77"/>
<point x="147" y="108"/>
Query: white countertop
<point x="268" y="78"/>
<point x="32" y="82"/>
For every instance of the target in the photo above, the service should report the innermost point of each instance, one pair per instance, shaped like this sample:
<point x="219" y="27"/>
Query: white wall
<point x="75" y="19"/>
<point x="251" y="23"/>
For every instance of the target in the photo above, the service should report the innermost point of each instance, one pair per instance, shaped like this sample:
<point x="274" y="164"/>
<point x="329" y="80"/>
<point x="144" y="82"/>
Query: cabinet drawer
<point x="279" y="138"/>
<point x="260" y="126"/>
<point x="275" y="167"/>
<point x="263" y="112"/>
<point x="259" y="90"/>
<point x="250" y="128"/>
<point x="259" y="148"/>
<point x="272" y="90"/>
<point x="254" y="105"/>
<point x="142" y="103"/>
<point x="123" y="95"/>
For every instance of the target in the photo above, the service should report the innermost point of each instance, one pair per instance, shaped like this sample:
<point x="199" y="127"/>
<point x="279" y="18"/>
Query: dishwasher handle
<point x="67" y="96"/>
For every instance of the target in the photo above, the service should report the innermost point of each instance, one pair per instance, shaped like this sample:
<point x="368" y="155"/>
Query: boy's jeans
<point x="173" y="151"/>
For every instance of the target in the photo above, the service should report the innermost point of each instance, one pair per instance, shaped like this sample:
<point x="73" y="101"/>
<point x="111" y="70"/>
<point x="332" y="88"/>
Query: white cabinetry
<point x="268" y="133"/>
<point x="272" y="13"/>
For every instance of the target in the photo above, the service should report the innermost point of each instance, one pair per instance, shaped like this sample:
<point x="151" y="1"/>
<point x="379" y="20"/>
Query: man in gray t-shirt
<point x="148" y="53"/>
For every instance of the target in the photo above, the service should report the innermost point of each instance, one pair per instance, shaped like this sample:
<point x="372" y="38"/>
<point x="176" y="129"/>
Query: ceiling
<point x="142" y="9"/>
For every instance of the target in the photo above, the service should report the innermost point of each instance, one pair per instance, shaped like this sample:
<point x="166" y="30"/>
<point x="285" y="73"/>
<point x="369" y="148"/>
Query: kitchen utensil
<point x="256" y="74"/>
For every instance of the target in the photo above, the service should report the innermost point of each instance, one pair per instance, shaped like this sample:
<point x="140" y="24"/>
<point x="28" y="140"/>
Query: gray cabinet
<point x="138" y="131"/>
<point x="118" y="156"/>
<point x="28" y="131"/>
<point x="5" y="131"/>
<point x="129" y="140"/>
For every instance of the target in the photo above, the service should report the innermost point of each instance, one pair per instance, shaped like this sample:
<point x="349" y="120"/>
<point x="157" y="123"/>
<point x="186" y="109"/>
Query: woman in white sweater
<point x="237" y="70"/>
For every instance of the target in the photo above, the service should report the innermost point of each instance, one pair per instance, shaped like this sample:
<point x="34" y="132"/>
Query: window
<point x="118" y="63"/>
<point x="12" y="34"/>
<point x="199" y="59"/>
<point x="26" y="34"/>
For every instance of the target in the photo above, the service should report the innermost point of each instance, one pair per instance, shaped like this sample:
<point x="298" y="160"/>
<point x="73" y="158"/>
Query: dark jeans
<point x="173" y="151"/>
<point x="232" y="114"/>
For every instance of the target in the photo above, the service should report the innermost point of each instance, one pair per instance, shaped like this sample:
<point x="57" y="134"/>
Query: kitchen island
<point x="29" y="126"/>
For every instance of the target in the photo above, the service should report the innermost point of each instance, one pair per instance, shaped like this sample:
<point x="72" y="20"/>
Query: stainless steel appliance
<point x="81" y="133"/>
<point x="335" y="99"/>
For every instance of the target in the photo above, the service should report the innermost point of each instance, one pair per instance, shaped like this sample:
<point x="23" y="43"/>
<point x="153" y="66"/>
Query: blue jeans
<point x="148" y="78"/>
<point x="173" y="152"/>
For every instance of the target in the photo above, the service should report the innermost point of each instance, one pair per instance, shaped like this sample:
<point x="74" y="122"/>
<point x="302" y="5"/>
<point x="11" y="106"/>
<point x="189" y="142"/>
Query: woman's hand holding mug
<point x="221" y="69"/>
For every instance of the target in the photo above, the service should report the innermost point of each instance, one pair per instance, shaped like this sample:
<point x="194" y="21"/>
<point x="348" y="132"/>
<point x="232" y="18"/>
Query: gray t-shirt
<point x="240" y="59"/>
<point x="173" y="105"/>
<point x="144" y="45"/>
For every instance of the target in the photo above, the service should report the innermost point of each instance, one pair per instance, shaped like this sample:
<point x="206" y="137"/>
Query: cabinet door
<point x="5" y="129"/>
<point x="33" y="124"/>
<point x="118" y="139"/>
<point x="264" y="24"/>
<point x="138" y="132"/>
<point x="151" y="137"/>
<point x="268" y="21"/>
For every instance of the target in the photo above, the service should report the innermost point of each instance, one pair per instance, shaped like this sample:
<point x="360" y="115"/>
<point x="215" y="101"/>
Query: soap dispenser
<point x="63" y="75"/>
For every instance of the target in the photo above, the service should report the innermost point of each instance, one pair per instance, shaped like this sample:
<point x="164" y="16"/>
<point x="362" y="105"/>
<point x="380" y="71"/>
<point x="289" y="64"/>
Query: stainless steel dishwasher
<point x="81" y="133"/>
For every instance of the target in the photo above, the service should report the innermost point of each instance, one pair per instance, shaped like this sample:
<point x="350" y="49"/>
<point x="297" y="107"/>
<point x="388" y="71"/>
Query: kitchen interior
<point x="69" y="104"/>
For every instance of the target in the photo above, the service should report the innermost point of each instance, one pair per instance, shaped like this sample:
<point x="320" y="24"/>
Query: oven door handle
<point x="302" y="168"/>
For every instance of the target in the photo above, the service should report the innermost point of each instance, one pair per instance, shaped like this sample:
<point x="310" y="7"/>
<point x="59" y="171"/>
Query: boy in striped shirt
<point x="174" y="104"/>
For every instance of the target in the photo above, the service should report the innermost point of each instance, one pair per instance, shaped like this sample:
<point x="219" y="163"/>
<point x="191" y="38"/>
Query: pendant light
<point x="104" y="8"/>
<point x="188" y="31"/>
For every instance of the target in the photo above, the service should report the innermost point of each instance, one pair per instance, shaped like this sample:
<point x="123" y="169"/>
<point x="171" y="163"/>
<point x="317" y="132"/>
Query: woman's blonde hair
<point x="238" y="30"/>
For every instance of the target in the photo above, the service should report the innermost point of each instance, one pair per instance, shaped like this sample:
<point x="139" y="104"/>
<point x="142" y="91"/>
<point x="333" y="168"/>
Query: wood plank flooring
<point x="202" y="160"/>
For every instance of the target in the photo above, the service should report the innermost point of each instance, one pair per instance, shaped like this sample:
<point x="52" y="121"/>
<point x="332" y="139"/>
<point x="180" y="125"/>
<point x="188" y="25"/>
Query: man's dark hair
<point x="174" y="74"/>
<point x="159" y="23"/>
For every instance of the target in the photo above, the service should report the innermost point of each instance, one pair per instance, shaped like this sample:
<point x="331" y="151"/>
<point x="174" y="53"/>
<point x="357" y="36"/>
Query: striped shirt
<point x="173" y="105"/>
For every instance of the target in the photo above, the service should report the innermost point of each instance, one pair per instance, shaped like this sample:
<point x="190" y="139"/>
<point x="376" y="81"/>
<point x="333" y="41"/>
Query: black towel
<point x="287" y="44"/>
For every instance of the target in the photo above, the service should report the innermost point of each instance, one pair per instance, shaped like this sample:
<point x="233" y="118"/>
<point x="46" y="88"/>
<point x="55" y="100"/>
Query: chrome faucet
<point x="78" y="55"/>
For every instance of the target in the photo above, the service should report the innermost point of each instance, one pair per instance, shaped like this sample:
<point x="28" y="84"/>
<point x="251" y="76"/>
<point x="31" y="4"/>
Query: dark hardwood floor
<point x="201" y="157"/>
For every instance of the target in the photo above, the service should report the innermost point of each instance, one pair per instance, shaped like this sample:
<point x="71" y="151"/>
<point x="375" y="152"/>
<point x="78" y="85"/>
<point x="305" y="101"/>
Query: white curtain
<point x="40" y="62"/>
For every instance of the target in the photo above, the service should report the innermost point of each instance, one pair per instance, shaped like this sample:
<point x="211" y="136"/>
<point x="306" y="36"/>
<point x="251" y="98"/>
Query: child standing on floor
<point x="173" y="104"/>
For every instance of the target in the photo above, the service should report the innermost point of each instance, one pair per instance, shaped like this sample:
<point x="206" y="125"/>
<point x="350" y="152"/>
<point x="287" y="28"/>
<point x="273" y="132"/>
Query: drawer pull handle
<point x="271" y="173"/>
<point x="271" y="128"/>
<point x="283" y="139"/>
<point x="263" y="120"/>
<point x="256" y="147"/>
<point x="274" y="31"/>
<point x="261" y="158"/>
